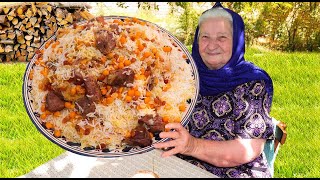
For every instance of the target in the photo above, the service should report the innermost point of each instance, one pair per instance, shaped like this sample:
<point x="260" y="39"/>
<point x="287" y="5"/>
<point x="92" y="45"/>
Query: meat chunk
<point x="154" y="124"/>
<point x="54" y="101"/>
<point x="116" y="28"/>
<point x="85" y="106"/>
<point x="92" y="89"/>
<point x="77" y="79"/>
<point x="105" y="41"/>
<point x="140" y="137"/>
<point x="121" y="77"/>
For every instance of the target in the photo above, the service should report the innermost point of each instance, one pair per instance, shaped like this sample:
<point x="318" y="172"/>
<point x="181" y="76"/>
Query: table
<point x="71" y="165"/>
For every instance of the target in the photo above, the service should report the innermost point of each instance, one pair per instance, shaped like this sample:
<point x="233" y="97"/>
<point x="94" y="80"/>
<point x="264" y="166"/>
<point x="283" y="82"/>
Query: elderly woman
<point x="230" y="123"/>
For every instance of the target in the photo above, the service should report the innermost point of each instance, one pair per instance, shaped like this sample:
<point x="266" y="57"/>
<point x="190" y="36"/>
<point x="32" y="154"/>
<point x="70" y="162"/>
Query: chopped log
<point x="30" y="31"/>
<point x="49" y="9"/>
<point x="36" y="45"/>
<point x="10" y="17"/>
<point x="6" y="10"/>
<point x="36" y="33"/>
<point x="17" y="26"/>
<point x="33" y="20"/>
<point x="37" y="25"/>
<point x="42" y="29"/>
<point x="22" y="27"/>
<point x="8" y="48"/>
<point x="44" y="12"/>
<point x="53" y="19"/>
<point x="33" y="8"/>
<point x="21" y="10"/>
<point x="2" y="57"/>
<point x="1" y="48"/>
<point x="16" y="47"/>
<point x="39" y="20"/>
<point x="15" y="21"/>
<point x="25" y="26"/>
<point x="18" y="32"/>
<point x="25" y="20"/>
<point x="21" y="58"/>
<point x="28" y="25"/>
<point x="39" y="12"/>
<point x="3" y="18"/>
<point x="7" y="24"/>
<point x="7" y="41"/>
<point x="3" y="35"/>
<point x="36" y="39"/>
<point x="30" y="49"/>
<point x="30" y="53"/>
<point x="10" y="56"/>
<point x="28" y="43"/>
<point x="49" y="33"/>
<point x="63" y="22"/>
<point x="28" y="37"/>
<point x="29" y="13"/>
<point x="11" y="35"/>
<point x="23" y="46"/>
<point x="21" y="16"/>
<point x="13" y="12"/>
<point x="21" y="39"/>
<point x="17" y="54"/>
<point x="23" y="52"/>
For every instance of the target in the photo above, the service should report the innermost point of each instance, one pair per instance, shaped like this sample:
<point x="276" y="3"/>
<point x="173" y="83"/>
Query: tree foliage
<point x="287" y="26"/>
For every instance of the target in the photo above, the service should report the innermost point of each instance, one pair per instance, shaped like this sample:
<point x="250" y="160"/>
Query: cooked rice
<point x="112" y="122"/>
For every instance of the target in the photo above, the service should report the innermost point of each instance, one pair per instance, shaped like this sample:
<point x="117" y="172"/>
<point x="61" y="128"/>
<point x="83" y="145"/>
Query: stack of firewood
<point x="25" y="26"/>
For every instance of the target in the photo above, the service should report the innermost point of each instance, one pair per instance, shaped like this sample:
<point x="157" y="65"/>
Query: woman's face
<point x="215" y="42"/>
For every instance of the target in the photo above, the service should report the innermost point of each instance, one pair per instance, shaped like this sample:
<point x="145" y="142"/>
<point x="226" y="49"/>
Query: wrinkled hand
<point x="181" y="141"/>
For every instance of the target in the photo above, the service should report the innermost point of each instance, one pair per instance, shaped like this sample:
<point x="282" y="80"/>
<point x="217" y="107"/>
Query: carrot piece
<point x="148" y="94"/>
<point x="146" y="54"/>
<point x="103" y="91"/>
<point x="182" y="107"/>
<point x="72" y="114"/>
<point x="127" y="62"/>
<point x="56" y="114"/>
<point x="107" y="101"/>
<point x="130" y="92"/>
<point x="121" y="65"/>
<point x="68" y="105"/>
<point x="167" y="49"/>
<point x="103" y="59"/>
<point x="147" y="100"/>
<point x="49" y="125"/>
<point x="105" y="72"/>
<point x="137" y="93"/>
<point x="128" y="98"/>
<point x="184" y="56"/>
<point x="120" y="90"/>
<point x="123" y="40"/>
<point x="57" y="133"/>
<point x="43" y="116"/>
<point x="73" y="91"/>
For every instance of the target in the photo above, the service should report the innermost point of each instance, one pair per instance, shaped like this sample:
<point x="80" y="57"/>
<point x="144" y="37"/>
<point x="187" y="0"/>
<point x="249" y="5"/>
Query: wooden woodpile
<point x="25" y="26"/>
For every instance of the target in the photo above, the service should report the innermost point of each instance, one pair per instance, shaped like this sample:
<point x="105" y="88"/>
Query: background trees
<point x="286" y="26"/>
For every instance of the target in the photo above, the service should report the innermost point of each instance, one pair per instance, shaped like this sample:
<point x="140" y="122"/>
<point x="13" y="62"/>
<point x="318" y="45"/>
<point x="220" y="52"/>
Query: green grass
<point x="23" y="148"/>
<point x="296" y="78"/>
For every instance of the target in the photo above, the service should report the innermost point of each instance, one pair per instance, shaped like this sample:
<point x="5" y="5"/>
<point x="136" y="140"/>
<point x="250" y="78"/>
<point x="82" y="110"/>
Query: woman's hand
<point x="181" y="141"/>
